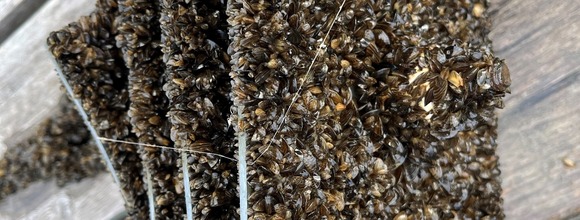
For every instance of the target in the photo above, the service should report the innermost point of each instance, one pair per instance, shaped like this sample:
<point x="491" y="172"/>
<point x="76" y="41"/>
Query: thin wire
<point x="303" y="82"/>
<point x="165" y="147"/>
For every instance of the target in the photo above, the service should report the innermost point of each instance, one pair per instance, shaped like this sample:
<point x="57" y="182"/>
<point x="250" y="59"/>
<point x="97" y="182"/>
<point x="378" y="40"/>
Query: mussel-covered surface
<point x="139" y="38"/>
<point x="87" y="53"/>
<point x="353" y="109"/>
<point x="395" y="118"/>
<point x="194" y="45"/>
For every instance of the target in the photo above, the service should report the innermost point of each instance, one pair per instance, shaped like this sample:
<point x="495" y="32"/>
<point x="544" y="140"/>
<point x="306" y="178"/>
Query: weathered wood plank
<point x="29" y="86"/>
<point x="14" y="12"/>
<point x="538" y="128"/>
<point x="76" y="201"/>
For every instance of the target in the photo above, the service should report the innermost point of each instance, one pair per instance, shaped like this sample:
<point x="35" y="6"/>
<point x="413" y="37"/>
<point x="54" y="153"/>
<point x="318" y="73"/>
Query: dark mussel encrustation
<point x="351" y="109"/>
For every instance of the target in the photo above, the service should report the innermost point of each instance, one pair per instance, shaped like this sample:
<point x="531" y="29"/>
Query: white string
<point x="303" y="82"/>
<point x="165" y="147"/>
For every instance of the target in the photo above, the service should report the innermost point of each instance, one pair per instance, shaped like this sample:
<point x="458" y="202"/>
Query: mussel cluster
<point x="395" y="118"/>
<point x="352" y="109"/>
<point x="61" y="149"/>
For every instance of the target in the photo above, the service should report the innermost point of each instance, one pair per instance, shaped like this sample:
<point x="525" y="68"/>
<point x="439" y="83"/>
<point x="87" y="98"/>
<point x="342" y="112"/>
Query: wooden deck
<point x="539" y="141"/>
<point x="539" y="126"/>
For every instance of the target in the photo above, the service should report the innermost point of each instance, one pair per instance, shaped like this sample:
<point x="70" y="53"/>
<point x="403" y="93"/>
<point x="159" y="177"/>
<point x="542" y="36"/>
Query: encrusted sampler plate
<point x="330" y="109"/>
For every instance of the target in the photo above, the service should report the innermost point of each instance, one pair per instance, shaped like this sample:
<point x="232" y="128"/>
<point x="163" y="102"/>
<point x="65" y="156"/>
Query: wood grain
<point x="538" y="128"/>
<point x="14" y="12"/>
<point x="29" y="86"/>
<point x="92" y="198"/>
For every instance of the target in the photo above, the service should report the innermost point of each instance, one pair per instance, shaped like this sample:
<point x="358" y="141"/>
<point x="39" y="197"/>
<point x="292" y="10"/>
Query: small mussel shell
<point x="500" y="76"/>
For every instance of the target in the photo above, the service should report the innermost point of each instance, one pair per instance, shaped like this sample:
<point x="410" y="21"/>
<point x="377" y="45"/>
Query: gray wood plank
<point x="538" y="128"/>
<point x="76" y="201"/>
<point x="14" y="12"/>
<point x="29" y="86"/>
